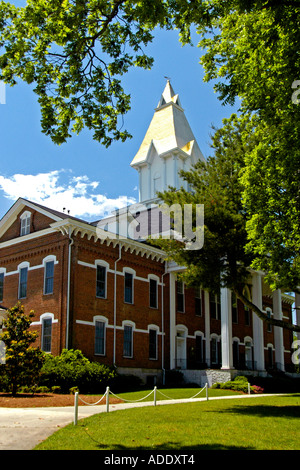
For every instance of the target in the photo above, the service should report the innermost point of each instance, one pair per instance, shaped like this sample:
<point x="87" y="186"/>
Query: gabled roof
<point x="12" y="214"/>
<point x="168" y="131"/>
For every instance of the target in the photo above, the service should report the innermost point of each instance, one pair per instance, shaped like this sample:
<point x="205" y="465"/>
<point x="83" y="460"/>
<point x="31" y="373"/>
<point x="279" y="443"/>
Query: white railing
<point x="108" y="392"/>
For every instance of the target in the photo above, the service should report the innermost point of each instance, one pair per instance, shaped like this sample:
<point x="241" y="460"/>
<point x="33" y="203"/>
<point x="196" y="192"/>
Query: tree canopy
<point x="75" y="52"/>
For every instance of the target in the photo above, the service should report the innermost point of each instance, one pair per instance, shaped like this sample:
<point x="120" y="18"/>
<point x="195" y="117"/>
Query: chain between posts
<point x="108" y="392"/>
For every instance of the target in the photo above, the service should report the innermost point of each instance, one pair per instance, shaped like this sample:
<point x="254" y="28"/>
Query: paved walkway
<point x="24" y="428"/>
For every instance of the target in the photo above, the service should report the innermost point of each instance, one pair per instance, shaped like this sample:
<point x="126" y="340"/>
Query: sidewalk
<point x="24" y="428"/>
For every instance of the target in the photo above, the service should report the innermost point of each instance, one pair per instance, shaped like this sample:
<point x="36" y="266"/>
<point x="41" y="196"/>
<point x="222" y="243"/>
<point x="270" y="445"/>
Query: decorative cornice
<point x="70" y="227"/>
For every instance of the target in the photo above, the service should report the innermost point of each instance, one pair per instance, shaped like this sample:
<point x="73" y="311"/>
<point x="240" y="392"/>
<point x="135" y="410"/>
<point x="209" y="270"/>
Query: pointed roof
<point x="169" y="130"/>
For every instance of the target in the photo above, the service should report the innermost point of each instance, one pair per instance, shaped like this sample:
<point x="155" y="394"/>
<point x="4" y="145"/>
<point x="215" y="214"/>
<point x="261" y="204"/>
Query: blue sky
<point x="82" y="175"/>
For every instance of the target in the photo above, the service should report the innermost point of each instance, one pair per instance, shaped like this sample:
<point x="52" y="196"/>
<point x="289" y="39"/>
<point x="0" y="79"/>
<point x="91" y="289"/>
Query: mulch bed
<point x="27" y="400"/>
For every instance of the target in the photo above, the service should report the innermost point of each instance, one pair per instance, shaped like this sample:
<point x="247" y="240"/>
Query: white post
<point x="206" y="386"/>
<point x="75" y="408"/>
<point x="249" y="391"/>
<point x="155" y="388"/>
<point x="107" y="399"/>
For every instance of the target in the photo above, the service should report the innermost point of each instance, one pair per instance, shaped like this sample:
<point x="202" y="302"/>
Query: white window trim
<point x="153" y="277"/>
<point x="46" y="316"/>
<point x="24" y="264"/>
<point x="133" y="272"/>
<point x="132" y="324"/>
<point x="156" y="328"/>
<point x="104" y="264"/>
<point x="24" y="218"/>
<point x="46" y="260"/>
<point x="104" y="320"/>
<point x="183" y="294"/>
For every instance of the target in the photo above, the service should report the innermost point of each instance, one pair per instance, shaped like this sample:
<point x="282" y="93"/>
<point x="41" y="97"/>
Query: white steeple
<point x="168" y="146"/>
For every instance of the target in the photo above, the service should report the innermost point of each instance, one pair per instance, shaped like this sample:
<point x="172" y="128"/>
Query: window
<point x="100" y="337"/>
<point x="180" y="296"/>
<point x="214" y="306"/>
<point x="269" y="314"/>
<point x="153" y="293"/>
<point x="23" y="282"/>
<point x="246" y="292"/>
<point x="152" y="344"/>
<point x="128" y="294"/>
<point x="25" y="223"/>
<point x="247" y="315"/>
<point x="199" y="349"/>
<point x="49" y="277"/>
<point x="1" y="286"/>
<point x="214" y="351"/>
<point x="235" y="353"/>
<point x="234" y="308"/>
<point x="198" y="301"/>
<point x="46" y="334"/>
<point x="128" y="346"/>
<point x="101" y="282"/>
<point x="270" y="355"/>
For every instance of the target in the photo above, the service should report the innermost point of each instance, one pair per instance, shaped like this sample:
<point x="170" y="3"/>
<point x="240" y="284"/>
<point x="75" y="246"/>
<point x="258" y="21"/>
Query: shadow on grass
<point x="265" y="411"/>
<point x="172" y="446"/>
<point x="166" y="446"/>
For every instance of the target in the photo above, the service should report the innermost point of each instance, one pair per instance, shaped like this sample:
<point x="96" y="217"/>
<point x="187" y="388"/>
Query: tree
<point x="75" y="52"/>
<point x="223" y="261"/>
<point x="252" y="51"/>
<point x="22" y="361"/>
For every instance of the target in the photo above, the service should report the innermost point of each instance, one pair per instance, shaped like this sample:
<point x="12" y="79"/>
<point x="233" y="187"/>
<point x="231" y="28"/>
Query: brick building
<point x="101" y="288"/>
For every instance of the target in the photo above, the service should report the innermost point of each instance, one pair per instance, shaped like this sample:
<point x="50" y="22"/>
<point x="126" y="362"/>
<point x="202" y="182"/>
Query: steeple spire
<point x="168" y="96"/>
<point x="168" y="147"/>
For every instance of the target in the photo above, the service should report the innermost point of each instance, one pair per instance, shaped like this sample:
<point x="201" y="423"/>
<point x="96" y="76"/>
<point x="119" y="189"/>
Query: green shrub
<point x="73" y="369"/>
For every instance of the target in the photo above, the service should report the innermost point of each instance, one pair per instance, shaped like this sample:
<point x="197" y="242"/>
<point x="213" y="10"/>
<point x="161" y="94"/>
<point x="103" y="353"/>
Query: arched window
<point x="101" y="279"/>
<point x="46" y="320"/>
<point x="128" y="328"/>
<point x="23" y="274"/>
<point x="25" y="223"/>
<point x="49" y="263"/>
<point x="153" y="332"/>
<point x="129" y="275"/>
<point x="100" y="335"/>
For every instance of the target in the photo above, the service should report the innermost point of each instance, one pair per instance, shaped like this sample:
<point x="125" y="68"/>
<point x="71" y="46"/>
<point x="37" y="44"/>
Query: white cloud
<point x="58" y="189"/>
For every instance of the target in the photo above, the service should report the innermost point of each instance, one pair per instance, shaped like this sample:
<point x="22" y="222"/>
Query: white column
<point x="278" y="333"/>
<point x="172" y="320"/>
<point x="297" y="306"/>
<point x="226" y="329"/>
<point x="164" y="173"/>
<point x="258" y="335"/>
<point x="149" y="181"/>
<point x="175" y="169"/>
<point x="140" y="184"/>
<point x="207" y="327"/>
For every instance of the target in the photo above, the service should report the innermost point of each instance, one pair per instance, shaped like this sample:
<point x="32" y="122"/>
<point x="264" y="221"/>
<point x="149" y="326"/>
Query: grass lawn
<point x="254" y="423"/>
